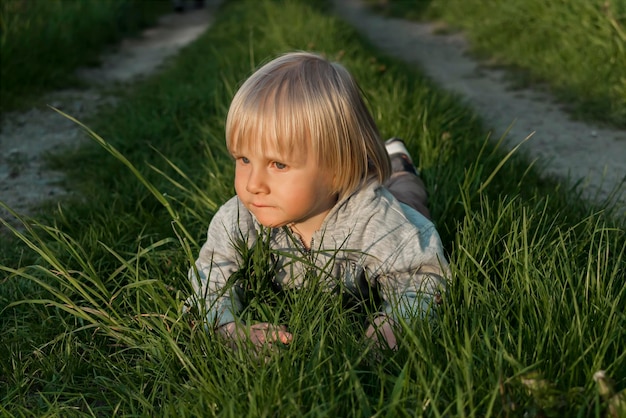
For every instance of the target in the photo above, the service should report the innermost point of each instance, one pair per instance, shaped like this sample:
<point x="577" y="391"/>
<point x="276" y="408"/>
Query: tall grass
<point x="42" y="42"/>
<point x="577" y="48"/>
<point x="91" y="297"/>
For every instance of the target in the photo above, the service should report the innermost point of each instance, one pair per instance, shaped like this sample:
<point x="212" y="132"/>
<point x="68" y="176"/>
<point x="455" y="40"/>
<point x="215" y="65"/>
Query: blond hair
<point x="300" y="101"/>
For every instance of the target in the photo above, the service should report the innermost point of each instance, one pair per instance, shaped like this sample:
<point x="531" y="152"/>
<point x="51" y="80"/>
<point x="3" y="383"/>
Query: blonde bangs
<point x="262" y="120"/>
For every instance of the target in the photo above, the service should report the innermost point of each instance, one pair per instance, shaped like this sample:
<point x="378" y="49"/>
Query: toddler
<point x="311" y="167"/>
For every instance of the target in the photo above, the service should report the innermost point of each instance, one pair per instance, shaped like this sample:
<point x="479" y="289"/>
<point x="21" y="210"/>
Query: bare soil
<point x="573" y="150"/>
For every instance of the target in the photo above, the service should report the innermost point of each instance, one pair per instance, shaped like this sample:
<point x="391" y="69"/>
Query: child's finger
<point x="285" y="337"/>
<point x="279" y="333"/>
<point x="263" y="333"/>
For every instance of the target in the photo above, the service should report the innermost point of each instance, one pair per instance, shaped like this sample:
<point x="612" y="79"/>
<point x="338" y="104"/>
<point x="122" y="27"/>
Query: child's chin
<point x="271" y="223"/>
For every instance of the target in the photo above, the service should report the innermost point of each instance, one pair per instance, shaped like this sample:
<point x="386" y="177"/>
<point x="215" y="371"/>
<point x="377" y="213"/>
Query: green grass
<point x="91" y="294"/>
<point x="42" y="42"/>
<point x="576" y="48"/>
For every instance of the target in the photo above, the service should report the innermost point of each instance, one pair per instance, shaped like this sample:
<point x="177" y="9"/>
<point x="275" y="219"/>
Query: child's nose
<point x="256" y="182"/>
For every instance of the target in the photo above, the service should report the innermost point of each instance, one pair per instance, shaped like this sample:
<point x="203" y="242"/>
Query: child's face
<point x="281" y="190"/>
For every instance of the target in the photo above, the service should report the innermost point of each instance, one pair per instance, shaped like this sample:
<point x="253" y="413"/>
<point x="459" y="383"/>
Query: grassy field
<point x="576" y="48"/>
<point x="42" y="42"/>
<point x="91" y="295"/>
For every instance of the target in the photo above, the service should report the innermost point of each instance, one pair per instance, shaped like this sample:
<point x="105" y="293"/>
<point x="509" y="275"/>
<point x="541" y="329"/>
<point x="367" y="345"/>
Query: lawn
<point x="42" y="42"/>
<point x="576" y="49"/>
<point x="91" y="294"/>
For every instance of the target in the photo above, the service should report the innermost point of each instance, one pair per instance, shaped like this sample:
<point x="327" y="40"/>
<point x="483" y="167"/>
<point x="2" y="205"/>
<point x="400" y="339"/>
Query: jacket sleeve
<point x="218" y="260"/>
<point x="414" y="274"/>
<point x="411" y="296"/>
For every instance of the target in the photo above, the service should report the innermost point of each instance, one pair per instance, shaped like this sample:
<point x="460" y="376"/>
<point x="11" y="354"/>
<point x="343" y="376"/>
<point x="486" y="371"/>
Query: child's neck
<point x="306" y="236"/>
<point x="306" y="230"/>
<point x="309" y="226"/>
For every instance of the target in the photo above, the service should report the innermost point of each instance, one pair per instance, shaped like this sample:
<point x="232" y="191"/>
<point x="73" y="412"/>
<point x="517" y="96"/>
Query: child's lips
<point x="260" y="205"/>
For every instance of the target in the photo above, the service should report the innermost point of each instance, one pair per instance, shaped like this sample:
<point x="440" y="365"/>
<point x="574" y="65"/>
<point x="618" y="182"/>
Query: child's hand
<point x="265" y="333"/>
<point x="261" y="334"/>
<point x="381" y="331"/>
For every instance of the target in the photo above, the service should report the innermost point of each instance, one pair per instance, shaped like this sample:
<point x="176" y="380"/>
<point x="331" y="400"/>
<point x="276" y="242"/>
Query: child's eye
<point x="244" y="160"/>
<point x="280" y="166"/>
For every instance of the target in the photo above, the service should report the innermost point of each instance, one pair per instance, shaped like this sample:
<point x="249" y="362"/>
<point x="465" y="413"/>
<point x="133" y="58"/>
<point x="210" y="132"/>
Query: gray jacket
<point x="368" y="240"/>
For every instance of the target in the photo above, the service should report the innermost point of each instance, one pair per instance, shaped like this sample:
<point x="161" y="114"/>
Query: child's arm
<point x="408" y="304"/>
<point x="411" y="282"/>
<point x="217" y="262"/>
<point x="413" y="296"/>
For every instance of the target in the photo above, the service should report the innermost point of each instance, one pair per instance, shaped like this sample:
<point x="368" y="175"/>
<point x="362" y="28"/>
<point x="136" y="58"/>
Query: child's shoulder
<point x="376" y="206"/>
<point x="399" y="213"/>
<point x="375" y="221"/>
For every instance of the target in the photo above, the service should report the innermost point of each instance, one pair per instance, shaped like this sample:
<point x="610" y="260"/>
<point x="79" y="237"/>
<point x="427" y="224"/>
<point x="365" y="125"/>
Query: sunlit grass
<point x="577" y="48"/>
<point x="91" y="296"/>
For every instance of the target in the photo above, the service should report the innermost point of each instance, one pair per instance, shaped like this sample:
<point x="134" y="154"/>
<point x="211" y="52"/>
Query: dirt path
<point x="25" y="137"/>
<point x="572" y="150"/>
